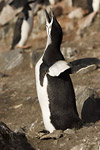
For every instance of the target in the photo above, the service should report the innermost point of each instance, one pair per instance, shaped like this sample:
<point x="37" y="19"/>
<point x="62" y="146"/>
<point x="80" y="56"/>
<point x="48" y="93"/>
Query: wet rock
<point x="77" y="13"/>
<point x="82" y="94"/>
<point x="11" y="140"/>
<point x="11" y="59"/>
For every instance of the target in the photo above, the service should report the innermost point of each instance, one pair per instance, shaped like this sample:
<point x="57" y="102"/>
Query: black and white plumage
<point x="54" y="86"/>
<point x="24" y="25"/>
<point x="93" y="5"/>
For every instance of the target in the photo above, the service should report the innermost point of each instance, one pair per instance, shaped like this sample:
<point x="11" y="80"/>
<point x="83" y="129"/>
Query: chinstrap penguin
<point x="24" y="25"/>
<point x="93" y="5"/>
<point x="54" y="86"/>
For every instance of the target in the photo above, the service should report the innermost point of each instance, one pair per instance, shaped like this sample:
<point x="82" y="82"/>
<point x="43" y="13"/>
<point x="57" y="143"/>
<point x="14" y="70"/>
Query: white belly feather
<point x="43" y="98"/>
<point x="25" y="31"/>
<point x="96" y="4"/>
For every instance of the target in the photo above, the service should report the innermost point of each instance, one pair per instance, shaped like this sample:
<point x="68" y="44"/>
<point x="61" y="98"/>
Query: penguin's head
<point x="54" y="30"/>
<point x="28" y="5"/>
<point x="29" y="8"/>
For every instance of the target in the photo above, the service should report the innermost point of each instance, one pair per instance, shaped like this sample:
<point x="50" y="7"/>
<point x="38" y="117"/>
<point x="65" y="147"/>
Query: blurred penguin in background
<point x="15" y="3"/>
<point x="91" y="5"/>
<point x="52" y="2"/>
<point x="24" y="25"/>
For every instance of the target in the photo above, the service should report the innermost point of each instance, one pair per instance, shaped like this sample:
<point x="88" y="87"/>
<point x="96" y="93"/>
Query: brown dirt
<point x="19" y="107"/>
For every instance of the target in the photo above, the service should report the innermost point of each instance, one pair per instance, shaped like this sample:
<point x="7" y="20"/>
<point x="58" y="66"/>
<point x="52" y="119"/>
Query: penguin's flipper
<point x="17" y="31"/>
<point x="58" y="68"/>
<point x="82" y="63"/>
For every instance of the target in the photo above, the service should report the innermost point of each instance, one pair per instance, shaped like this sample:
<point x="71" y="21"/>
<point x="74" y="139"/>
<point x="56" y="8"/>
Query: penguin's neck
<point x="52" y="53"/>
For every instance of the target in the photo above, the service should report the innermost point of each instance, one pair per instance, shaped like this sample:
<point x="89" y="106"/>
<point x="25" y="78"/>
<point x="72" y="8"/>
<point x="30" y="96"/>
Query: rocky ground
<point x="19" y="106"/>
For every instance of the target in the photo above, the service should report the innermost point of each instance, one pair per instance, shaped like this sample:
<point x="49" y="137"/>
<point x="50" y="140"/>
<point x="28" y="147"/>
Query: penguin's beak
<point x="47" y="16"/>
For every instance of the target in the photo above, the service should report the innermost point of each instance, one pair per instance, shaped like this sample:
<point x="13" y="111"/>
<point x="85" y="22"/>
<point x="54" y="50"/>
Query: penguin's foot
<point x="54" y="135"/>
<point x="24" y="47"/>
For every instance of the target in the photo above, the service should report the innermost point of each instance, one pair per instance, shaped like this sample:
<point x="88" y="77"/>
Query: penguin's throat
<point x="52" y="54"/>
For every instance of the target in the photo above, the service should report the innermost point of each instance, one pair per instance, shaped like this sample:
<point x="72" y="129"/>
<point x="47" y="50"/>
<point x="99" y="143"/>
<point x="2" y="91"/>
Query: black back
<point x="17" y="31"/>
<point x="90" y="8"/>
<point x="62" y="102"/>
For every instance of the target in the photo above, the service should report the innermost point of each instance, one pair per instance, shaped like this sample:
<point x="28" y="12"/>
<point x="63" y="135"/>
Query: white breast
<point x="58" y="68"/>
<point x="43" y="98"/>
<point x="95" y="5"/>
<point x="25" y="31"/>
<point x="52" y="1"/>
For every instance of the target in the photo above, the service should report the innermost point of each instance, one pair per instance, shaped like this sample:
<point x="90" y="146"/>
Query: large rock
<point x="6" y="15"/>
<point x="10" y="140"/>
<point x="91" y="110"/>
<point x="11" y="59"/>
<point x="76" y="13"/>
<point x="82" y="94"/>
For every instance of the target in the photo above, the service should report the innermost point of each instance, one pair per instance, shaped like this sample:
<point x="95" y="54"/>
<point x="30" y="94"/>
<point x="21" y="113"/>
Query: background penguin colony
<point x="24" y="23"/>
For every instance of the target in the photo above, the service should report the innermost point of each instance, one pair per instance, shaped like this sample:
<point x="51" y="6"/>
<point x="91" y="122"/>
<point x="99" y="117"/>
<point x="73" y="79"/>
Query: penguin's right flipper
<point x="83" y="63"/>
<point x="17" y="31"/>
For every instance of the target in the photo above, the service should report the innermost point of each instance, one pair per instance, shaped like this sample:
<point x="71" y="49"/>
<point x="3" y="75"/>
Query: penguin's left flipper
<point x="83" y="63"/>
<point x="58" y="68"/>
